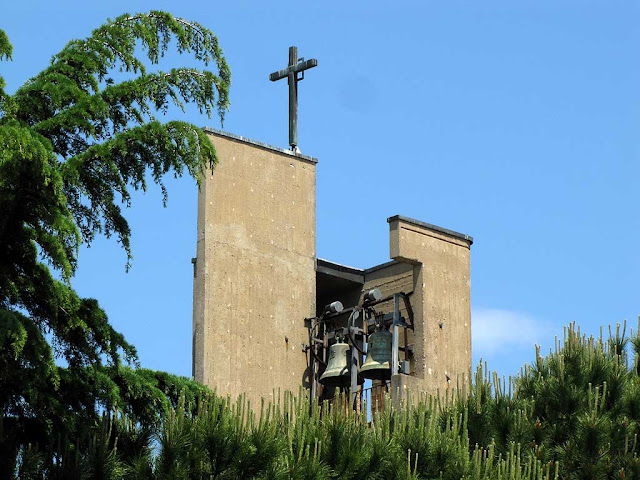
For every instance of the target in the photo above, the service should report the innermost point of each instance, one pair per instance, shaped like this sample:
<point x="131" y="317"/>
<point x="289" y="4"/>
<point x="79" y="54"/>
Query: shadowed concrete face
<point x="254" y="279"/>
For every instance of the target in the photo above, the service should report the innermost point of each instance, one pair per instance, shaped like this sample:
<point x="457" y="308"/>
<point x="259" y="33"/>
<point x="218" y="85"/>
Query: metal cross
<point x="291" y="72"/>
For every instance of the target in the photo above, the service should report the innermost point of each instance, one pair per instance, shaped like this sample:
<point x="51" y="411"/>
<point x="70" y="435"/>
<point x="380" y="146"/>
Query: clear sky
<point x="514" y="122"/>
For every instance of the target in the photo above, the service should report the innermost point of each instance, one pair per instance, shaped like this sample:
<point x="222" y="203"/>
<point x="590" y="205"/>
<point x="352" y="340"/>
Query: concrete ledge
<point x="255" y="143"/>
<point x="380" y="266"/>
<point x="342" y="271"/>
<point x="429" y="226"/>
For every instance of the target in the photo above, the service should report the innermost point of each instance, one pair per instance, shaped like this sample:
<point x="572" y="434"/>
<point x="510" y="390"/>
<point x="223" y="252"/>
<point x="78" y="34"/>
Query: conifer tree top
<point x="73" y="144"/>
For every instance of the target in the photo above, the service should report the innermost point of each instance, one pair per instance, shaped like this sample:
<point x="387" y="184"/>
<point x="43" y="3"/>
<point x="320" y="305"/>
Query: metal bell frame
<point x="320" y="333"/>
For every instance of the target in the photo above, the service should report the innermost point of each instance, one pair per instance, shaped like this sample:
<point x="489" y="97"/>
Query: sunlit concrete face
<point x="441" y="301"/>
<point x="254" y="278"/>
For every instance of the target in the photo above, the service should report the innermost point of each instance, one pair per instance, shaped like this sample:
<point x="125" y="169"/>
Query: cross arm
<point x="299" y="67"/>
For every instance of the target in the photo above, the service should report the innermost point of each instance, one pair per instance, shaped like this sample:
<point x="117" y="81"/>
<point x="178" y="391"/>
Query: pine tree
<point x="73" y="145"/>
<point x="529" y="431"/>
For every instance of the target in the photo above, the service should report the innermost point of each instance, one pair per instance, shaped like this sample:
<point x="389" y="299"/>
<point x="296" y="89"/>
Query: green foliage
<point x="530" y="432"/>
<point x="73" y="145"/>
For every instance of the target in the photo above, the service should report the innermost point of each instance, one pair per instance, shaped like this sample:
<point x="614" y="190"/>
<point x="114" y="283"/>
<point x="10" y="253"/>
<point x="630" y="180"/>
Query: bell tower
<point x="269" y="315"/>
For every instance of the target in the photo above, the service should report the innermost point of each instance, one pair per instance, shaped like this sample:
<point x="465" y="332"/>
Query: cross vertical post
<point x="291" y="73"/>
<point x="293" y="99"/>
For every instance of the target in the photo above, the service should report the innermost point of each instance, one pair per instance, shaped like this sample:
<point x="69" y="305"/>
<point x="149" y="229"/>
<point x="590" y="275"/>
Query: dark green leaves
<point x="6" y="49"/>
<point x="74" y="110"/>
<point x="73" y="144"/>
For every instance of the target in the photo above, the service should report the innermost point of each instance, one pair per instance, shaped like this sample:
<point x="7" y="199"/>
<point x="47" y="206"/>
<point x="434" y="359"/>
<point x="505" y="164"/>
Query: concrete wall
<point x="254" y="280"/>
<point x="441" y="300"/>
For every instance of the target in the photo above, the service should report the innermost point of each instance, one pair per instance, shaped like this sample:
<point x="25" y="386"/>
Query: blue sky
<point x="514" y="122"/>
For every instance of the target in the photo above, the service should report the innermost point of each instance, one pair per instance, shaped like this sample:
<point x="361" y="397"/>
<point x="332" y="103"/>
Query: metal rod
<point x="343" y="312"/>
<point x="406" y="342"/>
<point x="386" y="299"/>
<point x="372" y="304"/>
<point x="314" y="368"/>
<point x="407" y="304"/>
<point x="377" y="302"/>
<point x="325" y="344"/>
<point x="394" y="335"/>
<point x="354" y="376"/>
<point x="350" y="331"/>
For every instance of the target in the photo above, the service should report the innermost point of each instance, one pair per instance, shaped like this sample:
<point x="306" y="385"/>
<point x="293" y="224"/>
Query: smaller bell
<point x="377" y="366"/>
<point x="337" y="372"/>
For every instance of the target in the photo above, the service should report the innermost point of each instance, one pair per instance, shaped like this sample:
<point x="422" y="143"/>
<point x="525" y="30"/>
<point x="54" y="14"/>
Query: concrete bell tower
<point x="257" y="278"/>
<point x="260" y="291"/>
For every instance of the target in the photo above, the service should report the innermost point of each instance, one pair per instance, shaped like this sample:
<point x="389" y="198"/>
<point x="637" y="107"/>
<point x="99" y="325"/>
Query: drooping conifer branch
<point x="6" y="50"/>
<point x="69" y="106"/>
<point x="73" y="143"/>
<point x="114" y="166"/>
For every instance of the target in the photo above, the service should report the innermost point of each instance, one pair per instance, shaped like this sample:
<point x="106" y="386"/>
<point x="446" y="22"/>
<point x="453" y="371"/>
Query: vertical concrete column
<point x="441" y="300"/>
<point x="254" y="279"/>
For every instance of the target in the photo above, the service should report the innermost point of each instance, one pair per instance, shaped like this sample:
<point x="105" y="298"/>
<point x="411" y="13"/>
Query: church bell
<point x="337" y="372"/>
<point x="377" y="366"/>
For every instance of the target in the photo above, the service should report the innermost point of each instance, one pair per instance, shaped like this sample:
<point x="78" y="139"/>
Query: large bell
<point x="377" y="366"/>
<point x="337" y="372"/>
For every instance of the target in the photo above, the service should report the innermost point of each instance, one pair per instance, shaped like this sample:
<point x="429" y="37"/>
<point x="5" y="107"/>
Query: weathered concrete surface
<point x="441" y="301"/>
<point x="254" y="279"/>
<point x="405" y="389"/>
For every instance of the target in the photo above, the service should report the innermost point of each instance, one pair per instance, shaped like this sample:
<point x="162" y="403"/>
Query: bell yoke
<point x="364" y="333"/>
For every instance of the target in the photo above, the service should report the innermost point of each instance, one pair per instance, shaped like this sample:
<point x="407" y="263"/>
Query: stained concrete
<point x="254" y="279"/>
